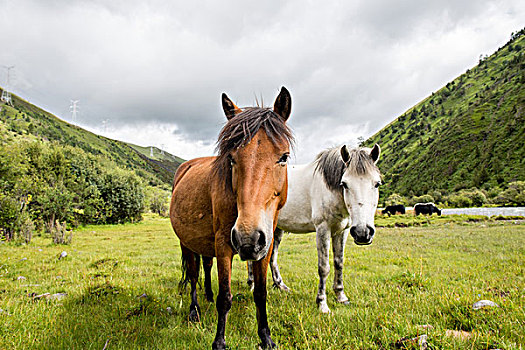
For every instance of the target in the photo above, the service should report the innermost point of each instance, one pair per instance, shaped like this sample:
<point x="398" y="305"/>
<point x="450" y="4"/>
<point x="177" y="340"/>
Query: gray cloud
<point x="351" y="66"/>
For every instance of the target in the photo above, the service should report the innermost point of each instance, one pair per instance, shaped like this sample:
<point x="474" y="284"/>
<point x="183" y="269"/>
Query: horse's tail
<point x="185" y="278"/>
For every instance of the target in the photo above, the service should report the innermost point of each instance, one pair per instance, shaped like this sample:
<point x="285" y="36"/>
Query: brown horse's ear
<point x="345" y="154"/>
<point x="230" y="109"/>
<point x="283" y="104"/>
<point x="375" y="153"/>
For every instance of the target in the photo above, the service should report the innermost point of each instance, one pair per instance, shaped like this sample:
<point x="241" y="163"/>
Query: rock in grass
<point x="458" y="334"/>
<point x="62" y="255"/>
<point x="410" y="343"/>
<point x="49" y="296"/>
<point x="21" y="278"/>
<point x="484" y="303"/>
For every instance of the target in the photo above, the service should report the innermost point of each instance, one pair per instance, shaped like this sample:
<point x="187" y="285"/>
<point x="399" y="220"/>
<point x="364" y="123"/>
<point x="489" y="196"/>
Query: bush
<point x="59" y="233"/>
<point x="426" y="198"/>
<point x="514" y="195"/>
<point x="459" y="201"/>
<point x="123" y="193"/>
<point x="157" y="200"/>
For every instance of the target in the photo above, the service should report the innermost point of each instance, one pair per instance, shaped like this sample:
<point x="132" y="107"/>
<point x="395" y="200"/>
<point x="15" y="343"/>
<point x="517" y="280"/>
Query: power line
<point x="6" y="95"/>
<point x="105" y="125"/>
<point x="74" y="110"/>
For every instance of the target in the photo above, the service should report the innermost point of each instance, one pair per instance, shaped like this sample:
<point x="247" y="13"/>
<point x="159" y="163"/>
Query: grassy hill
<point x="470" y="133"/>
<point x="25" y="120"/>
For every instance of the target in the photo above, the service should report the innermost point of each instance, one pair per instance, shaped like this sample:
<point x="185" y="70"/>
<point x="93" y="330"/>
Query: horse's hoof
<point x="194" y="316"/>
<point x="343" y="299"/>
<point x="269" y="345"/>
<point x="323" y="308"/>
<point x="219" y="345"/>
<point x="281" y="286"/>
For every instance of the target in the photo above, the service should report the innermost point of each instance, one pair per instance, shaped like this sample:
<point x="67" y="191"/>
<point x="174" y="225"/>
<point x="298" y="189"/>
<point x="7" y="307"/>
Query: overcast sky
<point x="155" y="70"/>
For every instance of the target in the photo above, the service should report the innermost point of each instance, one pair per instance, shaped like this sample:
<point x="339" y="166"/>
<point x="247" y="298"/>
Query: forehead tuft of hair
<point x="241" y="129"/>
<point x="330" y="164"/>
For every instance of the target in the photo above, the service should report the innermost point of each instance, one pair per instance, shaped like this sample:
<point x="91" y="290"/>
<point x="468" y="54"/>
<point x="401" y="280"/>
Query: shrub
<point x="426" y="198"/>
<point x="459" y="201"/>
<point x="157" y="200"/>
<point x="59" y="233"/>
<point x="514" y="195"/>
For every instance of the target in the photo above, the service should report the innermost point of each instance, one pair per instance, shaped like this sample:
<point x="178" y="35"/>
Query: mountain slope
<point x="25" y="120"/>
<point x="470" y="133"/>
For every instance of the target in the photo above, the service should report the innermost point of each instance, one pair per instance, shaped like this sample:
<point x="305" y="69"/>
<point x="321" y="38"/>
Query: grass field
<point x="122" y="291"/>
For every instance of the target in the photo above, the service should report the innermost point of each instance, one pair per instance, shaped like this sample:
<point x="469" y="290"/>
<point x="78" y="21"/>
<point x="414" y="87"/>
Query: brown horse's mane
<point x="240" y="130"/>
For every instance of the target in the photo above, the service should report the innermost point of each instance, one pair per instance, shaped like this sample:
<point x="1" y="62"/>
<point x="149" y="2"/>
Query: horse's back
<point x="191" y="206"/>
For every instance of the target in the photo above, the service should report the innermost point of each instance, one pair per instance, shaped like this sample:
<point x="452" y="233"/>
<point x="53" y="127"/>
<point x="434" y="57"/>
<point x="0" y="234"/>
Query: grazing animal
<point x="335" y="195"/>
<point x="426" y="209"/>
<point x="228" y="204"/>
<point x="394" y="209"/>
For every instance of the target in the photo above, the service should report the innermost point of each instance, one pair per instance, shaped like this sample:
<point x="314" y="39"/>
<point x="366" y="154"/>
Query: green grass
<point x="407" y="278"/>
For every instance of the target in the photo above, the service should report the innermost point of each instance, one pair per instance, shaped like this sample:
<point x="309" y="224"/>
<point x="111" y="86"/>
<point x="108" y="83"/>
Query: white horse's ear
<point x="375" y="153"/>
<point x="345" y="154"/>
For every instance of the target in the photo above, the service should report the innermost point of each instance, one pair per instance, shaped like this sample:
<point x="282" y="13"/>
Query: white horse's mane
<point x="330" y="164"/>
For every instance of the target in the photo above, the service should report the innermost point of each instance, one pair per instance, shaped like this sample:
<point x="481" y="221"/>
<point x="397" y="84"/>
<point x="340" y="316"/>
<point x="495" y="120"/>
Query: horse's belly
<point x="296" y="226"/>
<point x="191" y="212"/>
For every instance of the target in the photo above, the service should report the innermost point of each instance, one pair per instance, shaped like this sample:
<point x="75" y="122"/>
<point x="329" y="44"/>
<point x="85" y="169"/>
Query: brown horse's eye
<point x="283" y="159"/>
<point x="277" y="194"/>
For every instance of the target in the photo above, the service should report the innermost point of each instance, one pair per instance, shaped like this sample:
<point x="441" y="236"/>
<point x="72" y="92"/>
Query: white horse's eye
<point x="344" y="185"/>
<point x="377" y="184"/>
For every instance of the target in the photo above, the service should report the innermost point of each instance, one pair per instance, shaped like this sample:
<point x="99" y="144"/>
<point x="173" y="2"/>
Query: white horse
<point x="334" y="195"/>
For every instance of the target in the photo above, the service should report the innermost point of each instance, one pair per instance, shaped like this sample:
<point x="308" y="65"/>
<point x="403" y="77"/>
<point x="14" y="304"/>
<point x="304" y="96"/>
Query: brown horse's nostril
<point x="235" y="242"/>
<point x="261" y="240"/>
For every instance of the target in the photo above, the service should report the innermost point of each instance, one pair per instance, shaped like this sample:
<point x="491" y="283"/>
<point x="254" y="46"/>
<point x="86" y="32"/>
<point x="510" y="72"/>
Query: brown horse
<point x="229" y="204"/>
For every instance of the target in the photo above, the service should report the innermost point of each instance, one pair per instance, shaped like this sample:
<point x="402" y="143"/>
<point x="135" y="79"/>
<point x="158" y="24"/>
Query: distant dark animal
<point x="394" y="209"/>
<point x="426" y="209"/>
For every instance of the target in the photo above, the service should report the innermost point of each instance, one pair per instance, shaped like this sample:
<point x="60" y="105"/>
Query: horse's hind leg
<point x="276" y="275"/>
<point x="339" y="242"/>
<point x="192" y="269"/>
<point x="207" y="263"/>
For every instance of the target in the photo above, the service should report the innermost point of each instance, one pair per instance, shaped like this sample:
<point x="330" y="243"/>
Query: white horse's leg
<point x="323" y="264"/>
<point x="339" y="242"/>
<point x="276" y="275"/>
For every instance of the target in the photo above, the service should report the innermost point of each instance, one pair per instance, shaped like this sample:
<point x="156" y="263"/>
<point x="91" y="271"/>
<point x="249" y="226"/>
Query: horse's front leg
<point x="323" y="264"/>
<point x="259" y="296"/>
<point x="276" y="274"/>
<point x="224" y="298"/>
<point x="339" y="242"/>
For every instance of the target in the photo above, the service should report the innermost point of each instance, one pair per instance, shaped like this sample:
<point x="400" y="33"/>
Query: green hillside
<point x="470" y="133"/>
<point x="25" y="120"/>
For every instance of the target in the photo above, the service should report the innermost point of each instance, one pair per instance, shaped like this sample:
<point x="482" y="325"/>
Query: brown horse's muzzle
<point x="250" y="246"/>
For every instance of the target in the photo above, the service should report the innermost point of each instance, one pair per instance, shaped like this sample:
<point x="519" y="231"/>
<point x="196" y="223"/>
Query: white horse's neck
<point x="310" y="201"/>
